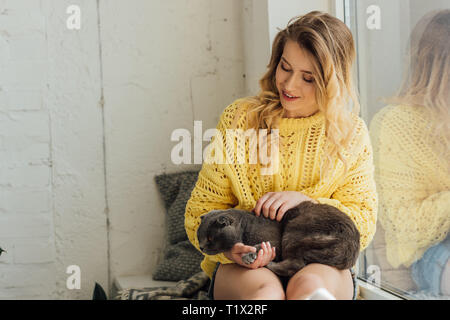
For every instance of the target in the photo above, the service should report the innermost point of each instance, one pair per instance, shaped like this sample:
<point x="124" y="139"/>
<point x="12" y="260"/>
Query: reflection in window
<point x="403" y="69"/>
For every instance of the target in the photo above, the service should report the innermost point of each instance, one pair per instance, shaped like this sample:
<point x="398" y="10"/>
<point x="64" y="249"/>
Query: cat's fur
<point x="308" y="233"/>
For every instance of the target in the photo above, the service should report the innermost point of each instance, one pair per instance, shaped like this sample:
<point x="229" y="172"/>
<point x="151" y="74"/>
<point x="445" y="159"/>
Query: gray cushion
<point x="181" y="259"/>
<point x="175" y="190"/>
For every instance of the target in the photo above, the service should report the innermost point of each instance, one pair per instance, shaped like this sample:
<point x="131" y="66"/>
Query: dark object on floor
<point x="99" y="293"/>
<point x="1" y="251"/>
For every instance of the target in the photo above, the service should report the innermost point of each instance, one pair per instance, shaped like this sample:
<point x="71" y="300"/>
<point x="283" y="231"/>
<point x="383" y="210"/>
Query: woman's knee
<point x="303" y="285"/>
<point x="269" y="290"/>
<point x="314" y="276"/>
<point x="236" y="282"/>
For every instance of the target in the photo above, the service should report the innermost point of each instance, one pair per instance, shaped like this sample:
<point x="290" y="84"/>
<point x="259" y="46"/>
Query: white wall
<point x="255" y="20"/>
<point x="69" y="165"/>
<point x="263" y="19"/>
<point x="51" y="181"/>
<point x="165" y="64"/>
<point x="85" y="123"/>
<point x="281" y="11"/>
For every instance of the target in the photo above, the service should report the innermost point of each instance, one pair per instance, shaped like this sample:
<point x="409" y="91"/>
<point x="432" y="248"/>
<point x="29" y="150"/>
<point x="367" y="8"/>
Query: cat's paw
<point x="249" y="258"/>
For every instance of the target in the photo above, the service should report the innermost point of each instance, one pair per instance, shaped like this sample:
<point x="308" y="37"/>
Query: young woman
<point x="411" y="140"/>
<point x="324" y="156"/>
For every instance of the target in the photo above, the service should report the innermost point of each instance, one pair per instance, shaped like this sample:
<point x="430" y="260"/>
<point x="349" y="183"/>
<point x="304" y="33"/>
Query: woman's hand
<point x="274" y="205"/>
<point x="265" y="255"/>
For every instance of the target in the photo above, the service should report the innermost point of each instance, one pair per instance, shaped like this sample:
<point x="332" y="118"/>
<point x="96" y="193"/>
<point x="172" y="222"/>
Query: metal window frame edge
<point x="367" y="290"/>
<point x="339" y="9"/>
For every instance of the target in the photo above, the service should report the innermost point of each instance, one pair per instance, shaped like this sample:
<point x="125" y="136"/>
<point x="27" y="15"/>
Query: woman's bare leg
<point x="313" y="276"/>
<point x="234" y="282"/>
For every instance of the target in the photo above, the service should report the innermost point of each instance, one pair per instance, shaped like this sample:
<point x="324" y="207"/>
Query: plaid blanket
<point x="193" y="288"/>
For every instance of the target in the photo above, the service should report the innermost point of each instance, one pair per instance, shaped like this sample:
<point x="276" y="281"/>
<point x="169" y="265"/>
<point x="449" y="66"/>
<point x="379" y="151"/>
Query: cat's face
<point x="217" y="232"/>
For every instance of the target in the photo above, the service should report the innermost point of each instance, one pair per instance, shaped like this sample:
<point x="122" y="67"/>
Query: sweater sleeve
<point x="414" y="210"/>
<point x="213" y="190"/>
<point x="356" y="195"/>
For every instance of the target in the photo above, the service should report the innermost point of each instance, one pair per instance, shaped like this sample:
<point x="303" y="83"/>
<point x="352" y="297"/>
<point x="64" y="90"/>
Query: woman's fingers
<point x="261" y="202"/>
<point x="282" y="210"/>
<point x="266" y="208"/>
<point x="269" y="204"/>
<point x="265" y="255"/>
<point x="242" y="248"/>
<point x="266" y="251"/>
<point x="274" y="209"/>
<point x="274" y="205"/>
<point x="271" y="252"/>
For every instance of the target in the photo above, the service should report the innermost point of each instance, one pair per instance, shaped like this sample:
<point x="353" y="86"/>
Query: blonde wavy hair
<point x="330" y="44"/>
<point x="426" y="83"/>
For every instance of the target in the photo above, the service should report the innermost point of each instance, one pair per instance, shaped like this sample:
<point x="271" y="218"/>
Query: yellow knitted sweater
<point x="413" y="182"/>
<point x="223" y="186"/>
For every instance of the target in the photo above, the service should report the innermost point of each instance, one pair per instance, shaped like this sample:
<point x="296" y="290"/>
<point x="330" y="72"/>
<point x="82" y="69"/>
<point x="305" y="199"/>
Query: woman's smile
<point x="288" y="97"/>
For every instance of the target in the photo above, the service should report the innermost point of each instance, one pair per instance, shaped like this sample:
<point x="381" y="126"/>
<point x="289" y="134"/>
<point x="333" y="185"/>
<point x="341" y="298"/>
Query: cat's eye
<point x="209" y="238"/>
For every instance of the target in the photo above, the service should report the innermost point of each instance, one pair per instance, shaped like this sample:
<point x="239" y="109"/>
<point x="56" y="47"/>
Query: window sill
<point x="368" y="291"/>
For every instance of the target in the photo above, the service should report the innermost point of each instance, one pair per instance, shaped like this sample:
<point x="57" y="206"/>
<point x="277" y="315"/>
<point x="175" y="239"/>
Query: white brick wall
<point x="52" y="193"/>
<point x="52" y="184"/>
<point x="165" y="64"/>
<point x="36" y="250"/>
<point x="26" y="219"/>
<point x="25" y="226"/>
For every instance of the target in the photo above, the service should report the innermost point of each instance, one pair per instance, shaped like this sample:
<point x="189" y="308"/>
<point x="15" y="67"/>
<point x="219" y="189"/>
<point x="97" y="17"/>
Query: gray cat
<point x="308" y="233"/>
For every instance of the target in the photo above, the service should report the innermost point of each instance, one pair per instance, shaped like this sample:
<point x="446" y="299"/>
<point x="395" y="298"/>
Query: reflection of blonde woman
<point x="311" y="61"/>
<point x="411" y="140"/>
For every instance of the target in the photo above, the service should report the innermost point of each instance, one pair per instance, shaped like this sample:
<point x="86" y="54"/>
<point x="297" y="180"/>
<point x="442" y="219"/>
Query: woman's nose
<point x="292" y="86"/>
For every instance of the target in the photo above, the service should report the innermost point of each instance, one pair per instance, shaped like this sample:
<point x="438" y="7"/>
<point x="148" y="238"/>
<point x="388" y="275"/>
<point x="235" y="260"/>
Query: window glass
<point x="403" y="72"/>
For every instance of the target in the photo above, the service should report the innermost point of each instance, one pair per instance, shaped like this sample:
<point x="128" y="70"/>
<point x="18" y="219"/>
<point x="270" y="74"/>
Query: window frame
<point x="368" y="290"/>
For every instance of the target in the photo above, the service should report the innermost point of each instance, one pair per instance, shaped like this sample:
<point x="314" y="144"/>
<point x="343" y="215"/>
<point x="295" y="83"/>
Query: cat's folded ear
<point x="209" y="213"/>
<point x="224" y="221"/>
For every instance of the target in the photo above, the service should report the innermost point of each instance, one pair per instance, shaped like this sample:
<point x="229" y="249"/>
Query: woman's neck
<point x="292" y="115"/>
